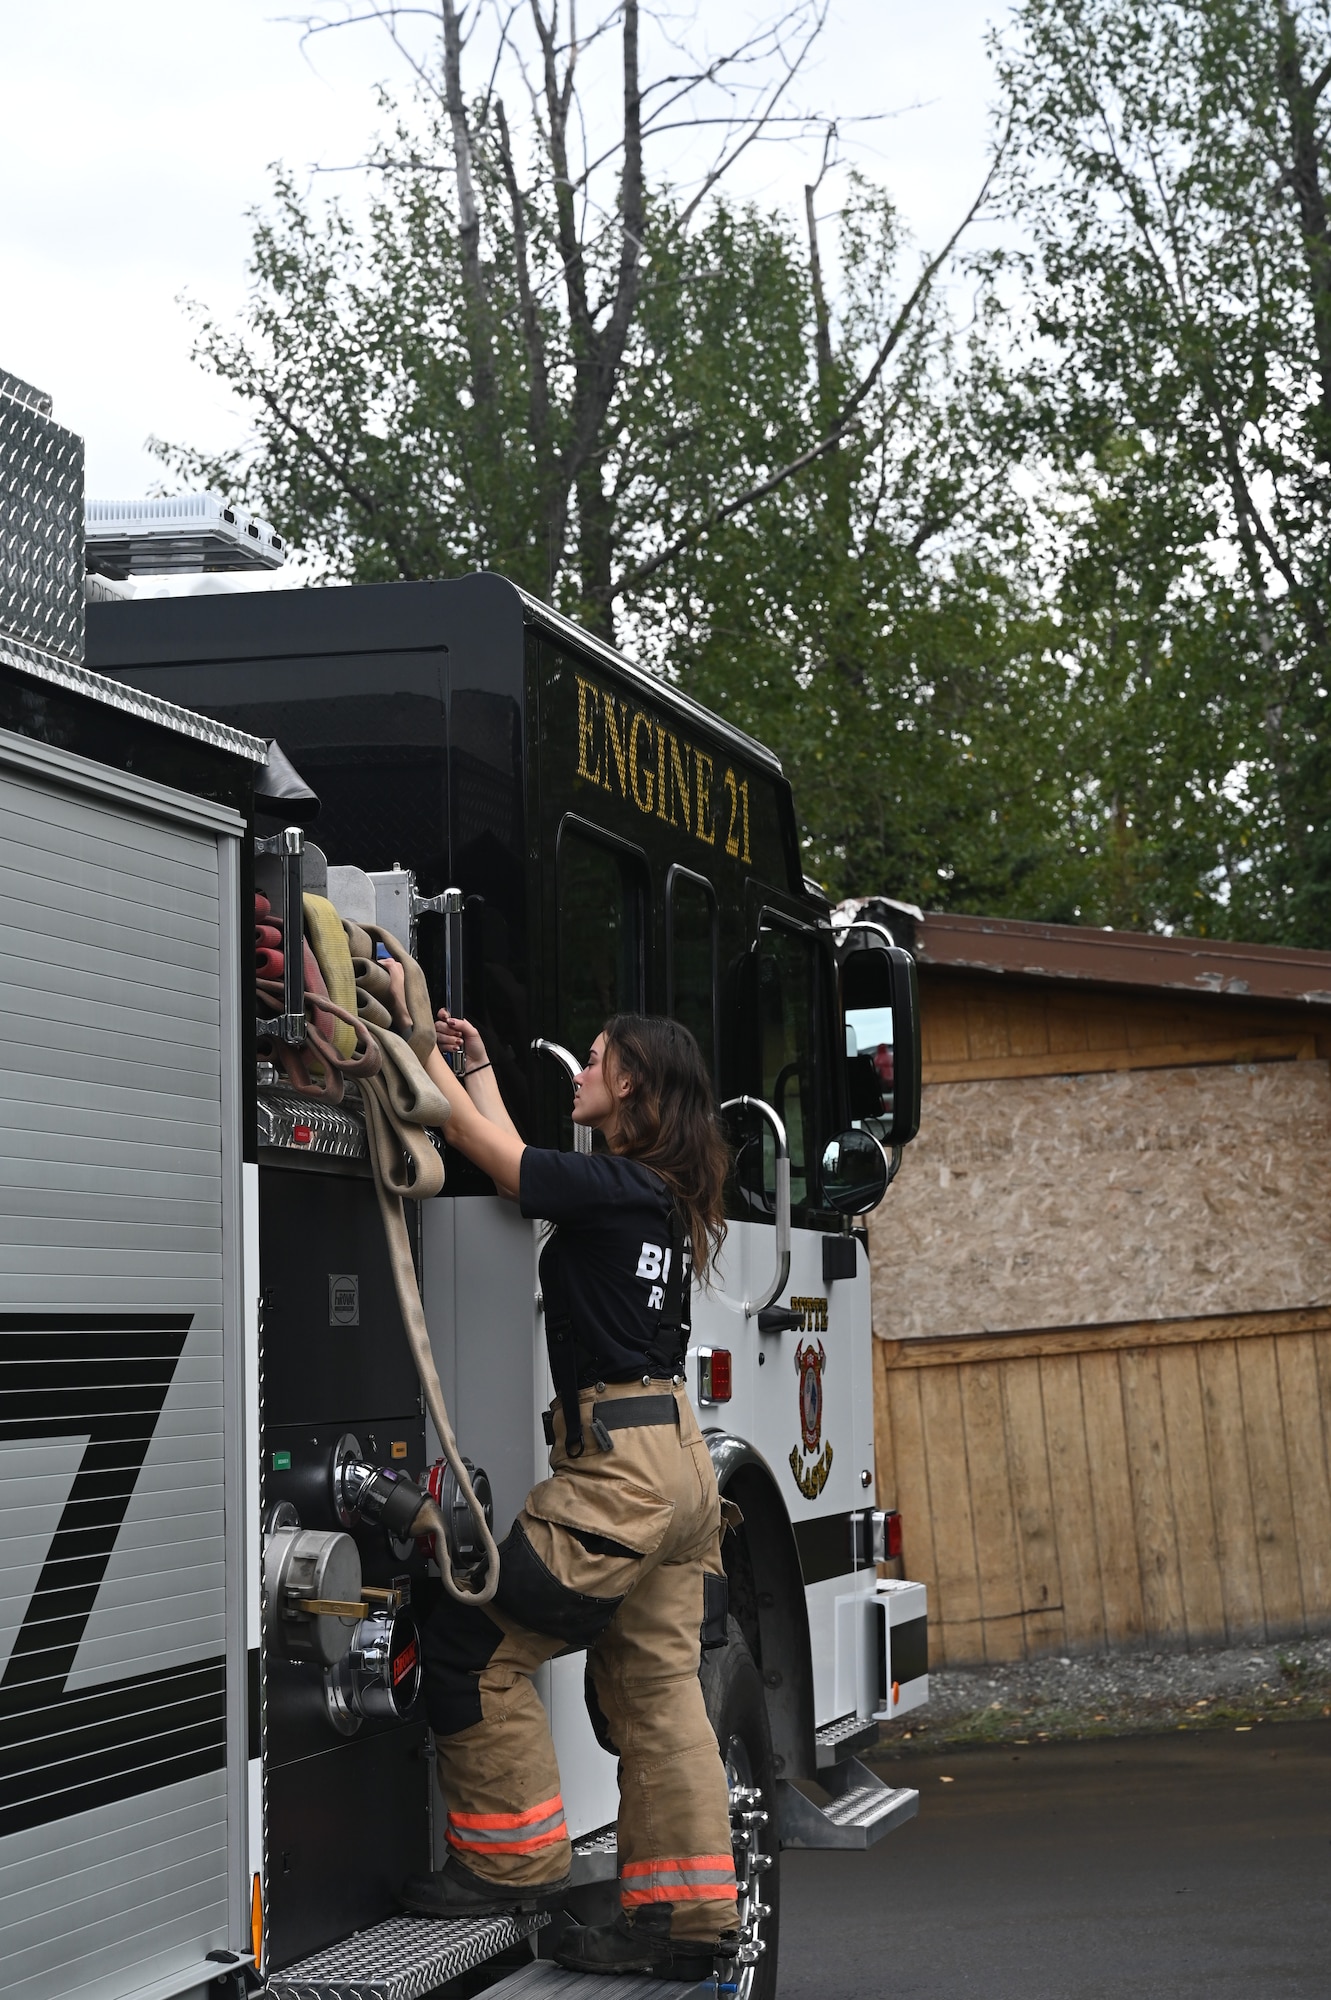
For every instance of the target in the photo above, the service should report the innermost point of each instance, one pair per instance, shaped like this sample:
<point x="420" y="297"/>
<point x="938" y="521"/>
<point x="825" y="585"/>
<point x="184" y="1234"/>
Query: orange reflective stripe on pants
<point x="509" y="1833"/>
<point x="688" y="1878"/>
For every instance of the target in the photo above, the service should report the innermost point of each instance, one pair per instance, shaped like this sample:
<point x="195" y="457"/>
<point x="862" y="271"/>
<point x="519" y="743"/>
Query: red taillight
<point x="891" y="1535"/>
<point x="714" y="1375"/>
<point x="301" y="1135"/>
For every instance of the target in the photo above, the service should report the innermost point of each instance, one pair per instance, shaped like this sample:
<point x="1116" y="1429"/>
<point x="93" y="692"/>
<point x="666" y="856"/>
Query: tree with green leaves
<point x="1168" y="168"/>
<point x="443" y="386"/>
<point x="785" y="499"/>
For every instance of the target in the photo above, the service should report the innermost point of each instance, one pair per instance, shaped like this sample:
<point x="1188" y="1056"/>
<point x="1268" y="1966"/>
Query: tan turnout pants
<point x="608" y="1553"/>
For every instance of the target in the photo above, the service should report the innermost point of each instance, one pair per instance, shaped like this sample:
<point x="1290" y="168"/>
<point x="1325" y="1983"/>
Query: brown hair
<point x="668" y="1121"/>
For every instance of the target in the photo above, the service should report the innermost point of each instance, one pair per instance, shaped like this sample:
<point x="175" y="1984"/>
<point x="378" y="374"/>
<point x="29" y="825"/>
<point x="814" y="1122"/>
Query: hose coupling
<point x="378" y="1496"/>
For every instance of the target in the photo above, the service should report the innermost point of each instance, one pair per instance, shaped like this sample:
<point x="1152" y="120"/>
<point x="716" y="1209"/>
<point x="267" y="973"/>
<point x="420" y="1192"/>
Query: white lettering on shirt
<point x="649" y="1263"/>
<point x="655" y="1299"/>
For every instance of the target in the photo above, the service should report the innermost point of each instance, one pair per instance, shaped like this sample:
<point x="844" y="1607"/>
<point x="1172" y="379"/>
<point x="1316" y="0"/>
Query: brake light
<point x="891" y="1536"/>
<point x="714" y="1375"/>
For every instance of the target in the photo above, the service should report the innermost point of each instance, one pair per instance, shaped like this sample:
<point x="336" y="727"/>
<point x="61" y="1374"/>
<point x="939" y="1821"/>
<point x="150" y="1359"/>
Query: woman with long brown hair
<point x="619" y="1549"/>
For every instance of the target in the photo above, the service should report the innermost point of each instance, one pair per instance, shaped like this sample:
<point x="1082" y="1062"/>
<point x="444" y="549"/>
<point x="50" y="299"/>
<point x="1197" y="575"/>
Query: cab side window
<point x="790" y="1006"/>
<point x="691" y="981"/>
<point x="602" y="920"/>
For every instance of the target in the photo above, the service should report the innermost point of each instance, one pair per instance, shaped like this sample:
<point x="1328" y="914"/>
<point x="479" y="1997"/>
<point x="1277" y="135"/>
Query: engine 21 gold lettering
<point x="626" y="750"/>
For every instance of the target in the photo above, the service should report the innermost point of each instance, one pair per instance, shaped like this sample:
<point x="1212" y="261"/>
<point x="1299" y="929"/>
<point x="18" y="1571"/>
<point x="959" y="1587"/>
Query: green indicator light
<point x="281" y="1461"/>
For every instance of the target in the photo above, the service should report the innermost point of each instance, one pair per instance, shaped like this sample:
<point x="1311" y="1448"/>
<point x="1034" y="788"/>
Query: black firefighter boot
<point x="453" y="1891"/>
<point x="642" y="1943"/>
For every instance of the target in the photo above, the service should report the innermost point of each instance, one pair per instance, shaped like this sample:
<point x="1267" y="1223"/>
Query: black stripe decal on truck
<point x="103" y="1375"/>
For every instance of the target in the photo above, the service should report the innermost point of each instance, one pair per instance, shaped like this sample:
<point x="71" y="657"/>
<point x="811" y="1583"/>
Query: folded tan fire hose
<point x="400" y="1102"/>
<point x="324" y="929"/>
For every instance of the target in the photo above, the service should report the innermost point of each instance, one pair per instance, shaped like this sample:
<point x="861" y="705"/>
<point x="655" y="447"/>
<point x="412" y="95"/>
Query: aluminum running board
<point x="400" y="1959"/>
<point x="836" y="1741"/>
<point x="860" y="1810"/>
<point x="543" y="1980"/>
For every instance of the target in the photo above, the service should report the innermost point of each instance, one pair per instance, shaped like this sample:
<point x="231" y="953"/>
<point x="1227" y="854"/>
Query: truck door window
<point x="601" y="920"/>
<point x="788" y="1015"/>
<point x="691" y="982"/>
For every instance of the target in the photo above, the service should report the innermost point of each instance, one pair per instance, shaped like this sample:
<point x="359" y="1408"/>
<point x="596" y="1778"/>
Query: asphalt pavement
<point x="1174" y="1865"/>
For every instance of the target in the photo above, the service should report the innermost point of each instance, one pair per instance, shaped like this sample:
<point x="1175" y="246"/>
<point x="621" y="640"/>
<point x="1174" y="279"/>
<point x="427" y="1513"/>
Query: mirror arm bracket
<point x="752" y="1307"/>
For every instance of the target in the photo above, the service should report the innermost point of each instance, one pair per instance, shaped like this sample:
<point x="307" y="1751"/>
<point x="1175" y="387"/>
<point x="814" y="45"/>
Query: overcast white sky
<point x="135" y="135"/>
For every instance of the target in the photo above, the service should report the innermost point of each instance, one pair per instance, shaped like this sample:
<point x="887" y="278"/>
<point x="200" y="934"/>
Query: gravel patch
<point x="1119" y="1694"/>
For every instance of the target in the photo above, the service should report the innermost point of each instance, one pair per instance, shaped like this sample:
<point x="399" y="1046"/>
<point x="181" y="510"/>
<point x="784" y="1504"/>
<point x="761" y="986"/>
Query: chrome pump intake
<point x="380" y="1675"/>
<point x="311" y="1589"/>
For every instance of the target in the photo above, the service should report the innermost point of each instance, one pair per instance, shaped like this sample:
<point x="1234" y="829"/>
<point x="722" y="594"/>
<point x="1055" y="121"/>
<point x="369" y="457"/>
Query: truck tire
<point x="737" y="1709"/>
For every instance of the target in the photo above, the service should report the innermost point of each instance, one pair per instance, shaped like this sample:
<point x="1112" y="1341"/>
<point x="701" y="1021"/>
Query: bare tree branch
<point x="821" y="317"/>
<point x="479" y="343"/>
<point x="538" y="395"/>
<point x="724" y="164"/>
<point x="846" y="417"/>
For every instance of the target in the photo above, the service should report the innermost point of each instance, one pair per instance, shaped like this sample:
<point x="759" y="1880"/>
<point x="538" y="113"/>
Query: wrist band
<point x="475" y="1069"/>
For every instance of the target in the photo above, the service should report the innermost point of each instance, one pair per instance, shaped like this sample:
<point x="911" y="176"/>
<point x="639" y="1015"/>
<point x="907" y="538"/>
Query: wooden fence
<point x="1088" y="1487"/>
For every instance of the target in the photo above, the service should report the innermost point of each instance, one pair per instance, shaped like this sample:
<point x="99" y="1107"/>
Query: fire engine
<point x="216" y="1772"/>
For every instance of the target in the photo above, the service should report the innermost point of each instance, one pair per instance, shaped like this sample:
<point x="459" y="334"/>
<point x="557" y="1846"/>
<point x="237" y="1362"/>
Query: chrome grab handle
<point x="752" y="1307"/>
<point x="449" y="907"/>
<point x="288" y="850"/>
<point x="582" y="1134"/>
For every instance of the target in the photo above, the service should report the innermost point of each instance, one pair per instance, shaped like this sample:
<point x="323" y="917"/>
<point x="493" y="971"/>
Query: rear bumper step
<point x="859" y="1810"/>
<point x="400" y="1959"/>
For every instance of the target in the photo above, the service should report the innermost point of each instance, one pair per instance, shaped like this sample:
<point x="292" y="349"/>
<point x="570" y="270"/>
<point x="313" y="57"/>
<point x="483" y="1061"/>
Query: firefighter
<point x="618" y="1550"/>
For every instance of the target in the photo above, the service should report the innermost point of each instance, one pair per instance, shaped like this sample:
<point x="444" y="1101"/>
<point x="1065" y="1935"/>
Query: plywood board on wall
<point x="1064" y="1201"/>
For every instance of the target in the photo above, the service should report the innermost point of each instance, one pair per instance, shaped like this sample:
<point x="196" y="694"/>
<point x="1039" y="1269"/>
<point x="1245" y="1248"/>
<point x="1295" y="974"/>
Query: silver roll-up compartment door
<point x="119" y="1176"/>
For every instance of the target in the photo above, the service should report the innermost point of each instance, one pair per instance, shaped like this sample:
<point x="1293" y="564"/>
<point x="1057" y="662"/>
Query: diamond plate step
<point x="836" y="1741"/>
<point x="860" y="1810"/>
<point x="400" y="1959"/>
<point x="543" y="1981"/>
<point x="596" y="1856"/>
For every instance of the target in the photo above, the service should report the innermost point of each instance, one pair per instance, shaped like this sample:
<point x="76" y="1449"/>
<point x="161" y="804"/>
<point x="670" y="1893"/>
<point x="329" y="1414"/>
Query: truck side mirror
<point x="855" y="1175"/>
<point x="880" y="997"/>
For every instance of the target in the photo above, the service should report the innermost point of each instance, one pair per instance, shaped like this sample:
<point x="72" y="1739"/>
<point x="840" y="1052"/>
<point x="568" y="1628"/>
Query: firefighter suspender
<point x="566" y="1353"/>
<point x="563" y="1354"/>
<point x="672" y="1313"/>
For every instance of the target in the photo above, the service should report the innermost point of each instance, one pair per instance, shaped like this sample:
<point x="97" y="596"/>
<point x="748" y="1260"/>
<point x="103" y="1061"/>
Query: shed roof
<point x="1002" y="946"/>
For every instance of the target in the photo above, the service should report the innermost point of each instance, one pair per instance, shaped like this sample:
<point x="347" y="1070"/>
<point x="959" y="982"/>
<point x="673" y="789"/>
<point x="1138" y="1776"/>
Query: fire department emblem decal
<point x="808" y="1462"/>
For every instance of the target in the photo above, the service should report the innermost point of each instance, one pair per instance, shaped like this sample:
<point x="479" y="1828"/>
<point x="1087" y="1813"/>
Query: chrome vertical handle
<point x="782" y="1244"/>
<point x="582" y="1134"/>
<point x="449" y="907"/>
<point x="288" y="847"/>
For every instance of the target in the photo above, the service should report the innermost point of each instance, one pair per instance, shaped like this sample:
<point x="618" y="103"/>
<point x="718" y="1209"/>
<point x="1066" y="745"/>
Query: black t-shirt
<point x="609" y="1257"/>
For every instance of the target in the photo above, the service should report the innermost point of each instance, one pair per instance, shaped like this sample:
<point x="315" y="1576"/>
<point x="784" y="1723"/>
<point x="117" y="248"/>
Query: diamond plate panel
<point x="335" y="1132"/>
<point x="23" y="392"/>
<point x="400" y="1959"/>
<point x="41" y="524"/>
<point x="130" y="700"/>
